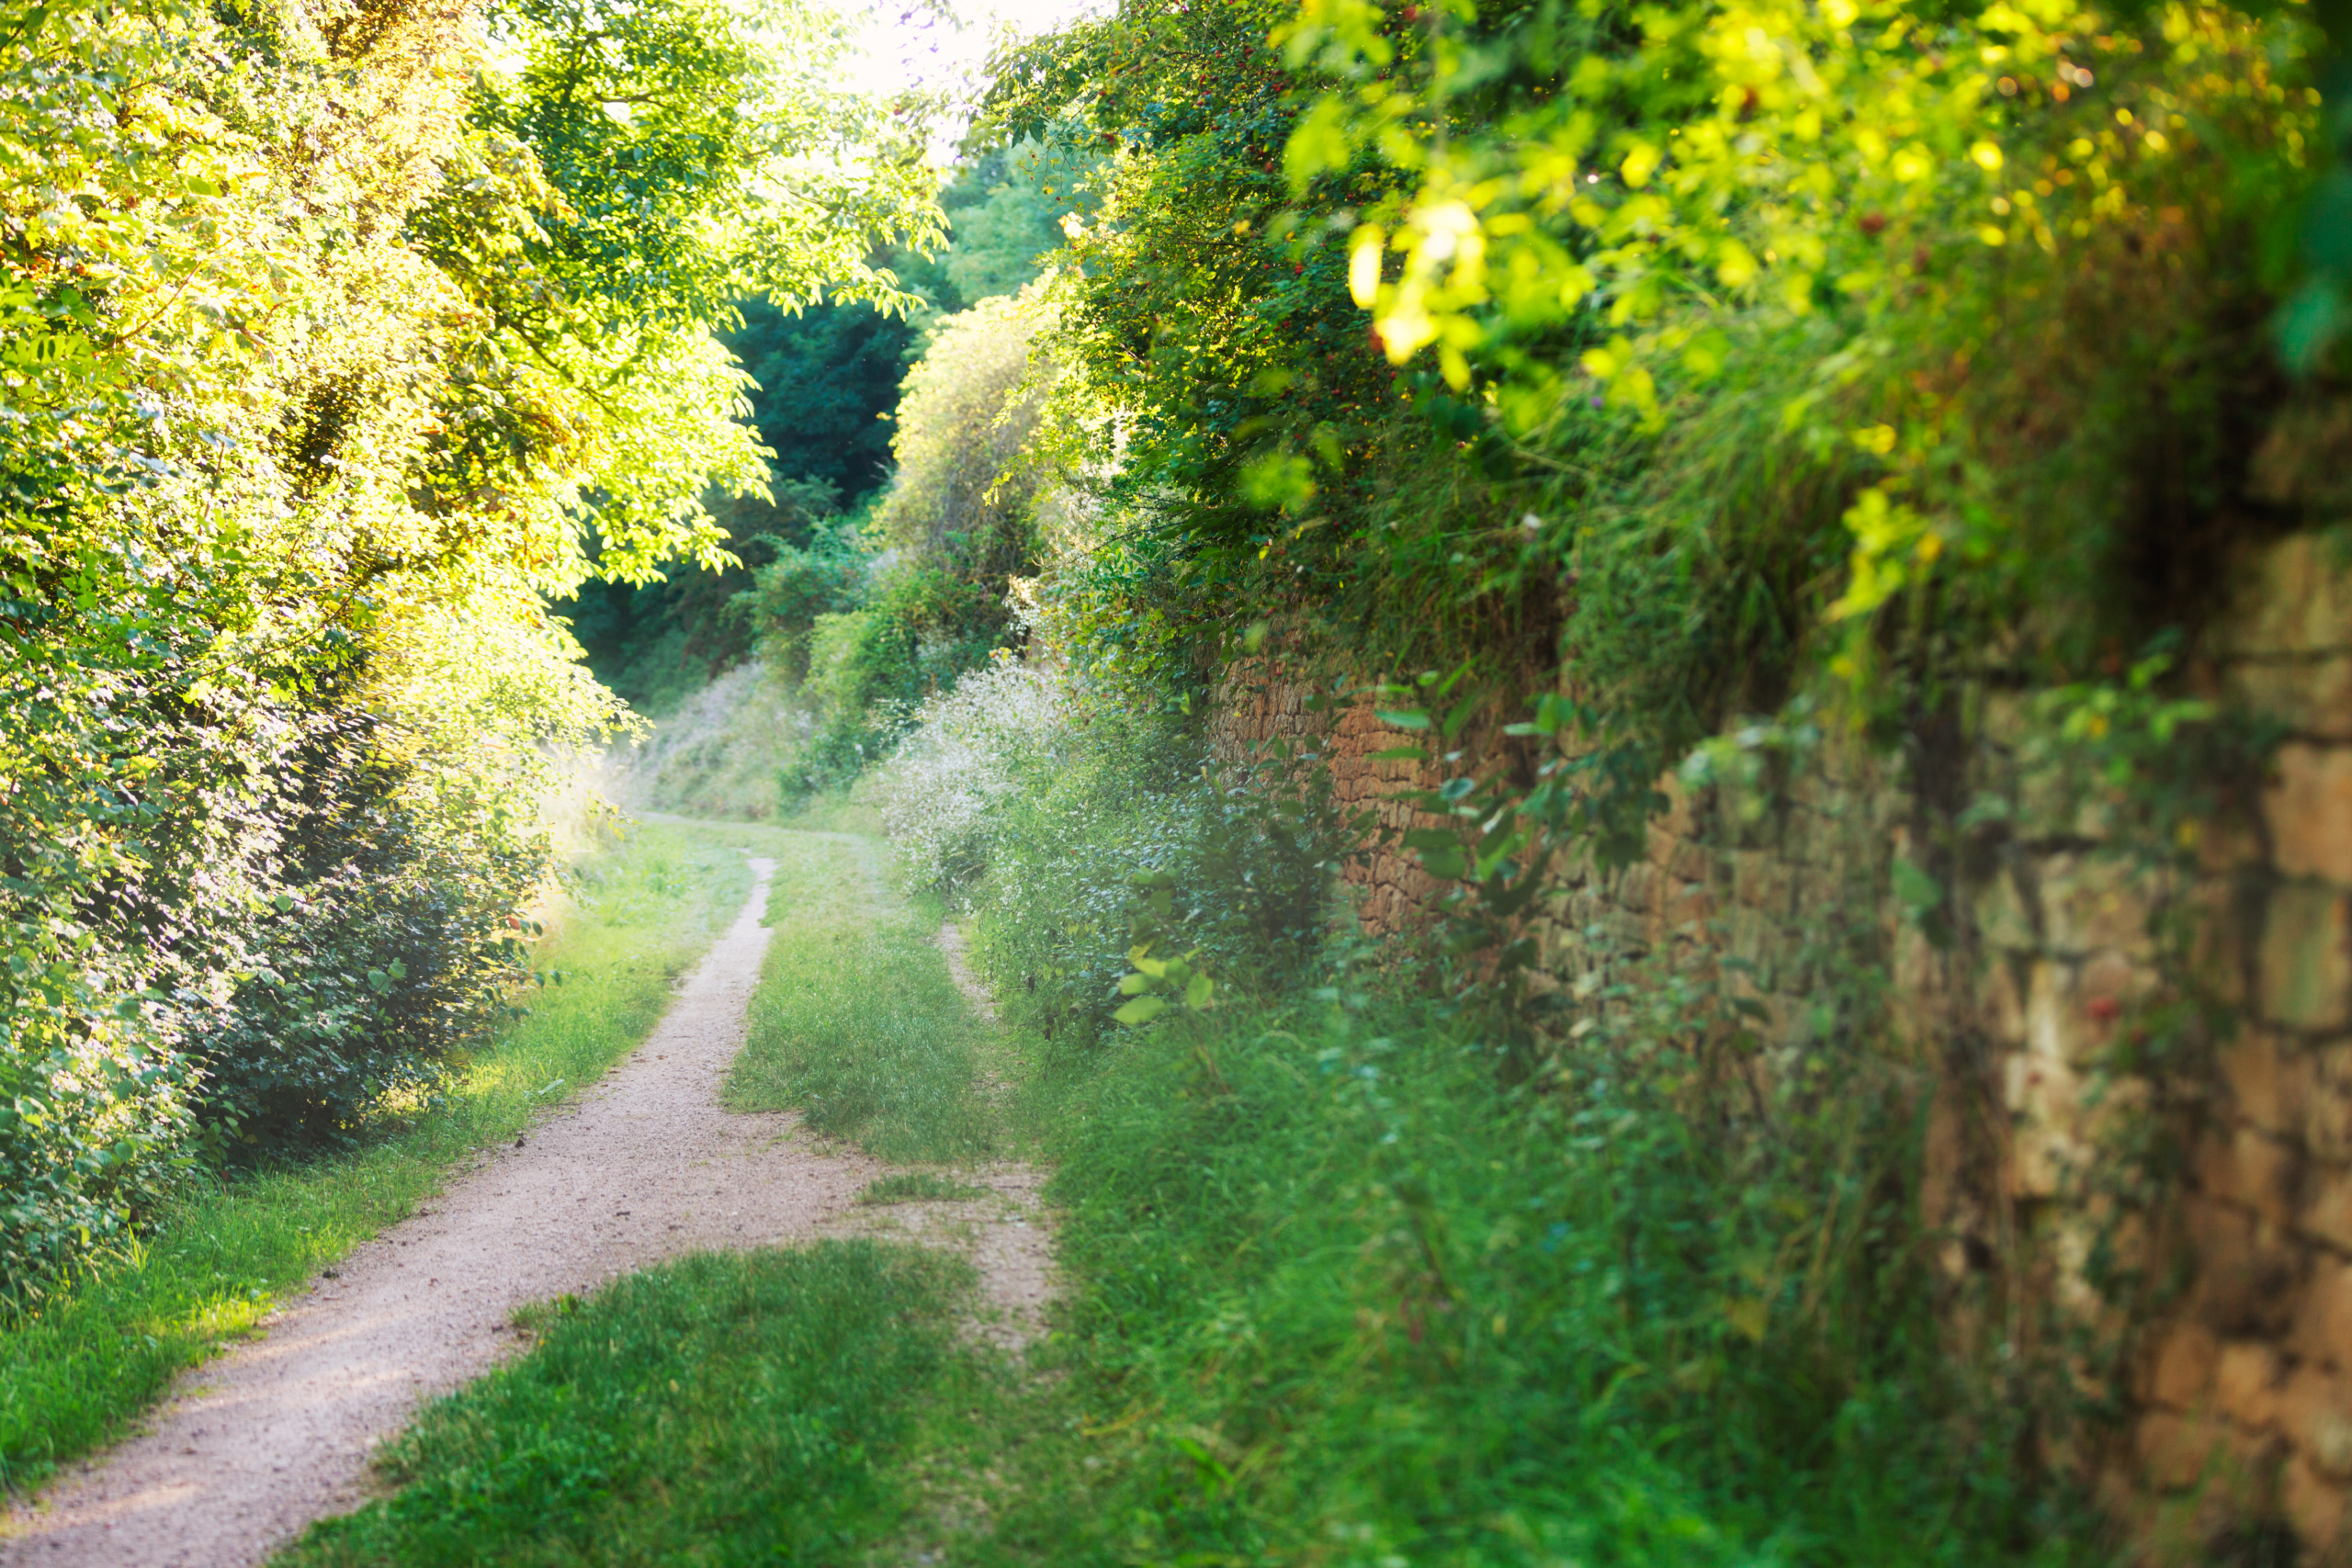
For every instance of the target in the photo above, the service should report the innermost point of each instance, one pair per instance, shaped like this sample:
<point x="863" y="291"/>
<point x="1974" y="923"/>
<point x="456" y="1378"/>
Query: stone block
<point x="2093" y="901"/>
<point x="2305" y="960"/>
<point x="1688" y="905"/>
<point x="2218" y="950"/>
<point x="2247" y="1166"/>
<point x="2323" y="1319"/>
<point x="2001" y="1004"/>
<point x="2183" y="1368"/>
<point x="2308" y="805"/>
<point x="2296" y="602"/>
<point x="2314" y="1410"/>
<point x="1917" y="965"/>
<point x="2312" y="693"/>
<point x="2327" y="1110"/>
<point x="2247" y="1375"/>
<point x="2109" y="983"/>
<point x="2177" y="1451"/>
<point x="2314" y="1506"/>
<point x="2061" y="1023"/>
<point x="2325" y="1210"/>
<point x="2045" y="1097"/>
<point x="2270" y="1086"/>
<point x="2247" y="1273"/>
<point x="2227" y="845"/>
<point x="2004" y="922"/>
<point x="1691" y="863"/>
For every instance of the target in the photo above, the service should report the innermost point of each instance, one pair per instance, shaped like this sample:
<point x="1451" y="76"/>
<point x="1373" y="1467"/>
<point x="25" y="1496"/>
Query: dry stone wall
<point x="2139" y="1054"/>
<point x="1257" y="704"/>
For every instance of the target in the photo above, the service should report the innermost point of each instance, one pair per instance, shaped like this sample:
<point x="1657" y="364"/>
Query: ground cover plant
<point x="641" y="912"/>
<point x="856" y="1023"/>
<point x="1341" y="1294"/>
<point x="736" y="1408"/>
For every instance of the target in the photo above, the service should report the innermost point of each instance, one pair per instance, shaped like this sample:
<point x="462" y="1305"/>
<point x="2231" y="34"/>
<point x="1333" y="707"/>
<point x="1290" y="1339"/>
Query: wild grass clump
<point x="857" y="1023"/>
<point x="1081" y="833"/>
<point x="720" y="1409"/>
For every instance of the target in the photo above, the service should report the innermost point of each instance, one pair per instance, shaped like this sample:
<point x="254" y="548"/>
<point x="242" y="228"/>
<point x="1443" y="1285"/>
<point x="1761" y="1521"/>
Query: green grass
<point x="857" y="1023"/>
<point x="210" y="1268"/>
<point x="919" y="1187"/>
<point x="723" y="1409"/>
<point x="1341" y="1294"/>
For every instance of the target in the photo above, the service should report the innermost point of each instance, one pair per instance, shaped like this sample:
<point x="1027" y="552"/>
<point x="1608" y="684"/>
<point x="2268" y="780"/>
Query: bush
<point x="1002" y="727"/>
<point x="1081" y="833"/>
<point x="388" y="951"/>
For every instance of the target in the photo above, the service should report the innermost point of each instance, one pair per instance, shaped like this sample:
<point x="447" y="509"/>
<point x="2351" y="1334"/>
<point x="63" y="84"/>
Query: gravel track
<point x="645" y="1166"/>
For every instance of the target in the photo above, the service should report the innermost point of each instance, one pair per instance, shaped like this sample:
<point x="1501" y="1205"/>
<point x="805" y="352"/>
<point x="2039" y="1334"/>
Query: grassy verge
<point x="726" y="1409"/>
<point x="857" y="1022"/>
<point x="1343" y="1295"/>
<point x="211" y="1268"/>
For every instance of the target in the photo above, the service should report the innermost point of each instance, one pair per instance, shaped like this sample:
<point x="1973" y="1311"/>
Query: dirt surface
<point x="644" y="1167"/>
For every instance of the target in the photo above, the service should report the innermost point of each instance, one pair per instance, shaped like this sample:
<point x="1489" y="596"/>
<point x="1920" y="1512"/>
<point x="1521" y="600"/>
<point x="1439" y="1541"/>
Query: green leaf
<point x="1141" y="1011"/>
<point x="1198" y="991"/>
<point x="1320" y="144"/>
<point x="1402" y="718"/>
<point x="1916" y="889"/>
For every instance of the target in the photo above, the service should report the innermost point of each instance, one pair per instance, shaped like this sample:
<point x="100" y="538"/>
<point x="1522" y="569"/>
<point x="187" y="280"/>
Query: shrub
<point x="1080" y="832"/>
<point x="966" y="479"/>
<point x="1002" y="728"/>
<point x="391" y="949"/>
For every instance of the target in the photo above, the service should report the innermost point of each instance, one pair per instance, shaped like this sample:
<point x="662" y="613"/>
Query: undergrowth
<point x="219" y="1258"/>
<point x="1359" y="1275"/>
<point x="1346" y="1293"/>
<point x="722" y="1409"/>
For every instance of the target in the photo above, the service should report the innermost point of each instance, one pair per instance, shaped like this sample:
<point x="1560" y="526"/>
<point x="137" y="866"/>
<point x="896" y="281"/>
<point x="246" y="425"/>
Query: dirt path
<point x="644" y="1168"/>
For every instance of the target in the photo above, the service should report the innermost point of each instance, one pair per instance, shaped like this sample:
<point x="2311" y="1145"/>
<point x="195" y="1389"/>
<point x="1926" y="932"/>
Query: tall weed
<point x="1084" y="836"/>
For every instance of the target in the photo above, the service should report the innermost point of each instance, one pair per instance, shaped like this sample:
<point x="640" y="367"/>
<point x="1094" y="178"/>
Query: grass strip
<point x="729" y="1408"/>
<point x="857" y="1023"/>
<point x="919" y="1187"/>
<point x="212" y="1265"/>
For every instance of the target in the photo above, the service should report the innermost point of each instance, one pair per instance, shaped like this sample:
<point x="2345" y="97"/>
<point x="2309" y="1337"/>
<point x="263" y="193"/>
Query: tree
<point x="326" y="340"/>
